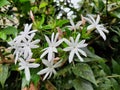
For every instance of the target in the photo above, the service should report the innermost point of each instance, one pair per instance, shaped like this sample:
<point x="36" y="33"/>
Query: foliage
<point x="100" y="69"/>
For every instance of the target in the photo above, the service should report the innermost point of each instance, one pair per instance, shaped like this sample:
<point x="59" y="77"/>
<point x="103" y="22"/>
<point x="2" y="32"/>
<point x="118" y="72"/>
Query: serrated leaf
<point x="115" y="67"/>
<point x="80" y="84"/>
<point x="84" y="71"/>
<point x="3" y="36"/>
<point x="3" y="3"/>
<point x="3" y="74"/>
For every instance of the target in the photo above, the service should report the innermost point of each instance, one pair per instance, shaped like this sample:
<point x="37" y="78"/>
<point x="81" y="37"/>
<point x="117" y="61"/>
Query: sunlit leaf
<point x="3" y="2"/>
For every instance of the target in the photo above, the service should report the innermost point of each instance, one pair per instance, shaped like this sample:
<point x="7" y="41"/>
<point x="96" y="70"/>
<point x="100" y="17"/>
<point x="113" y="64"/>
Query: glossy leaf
<point x="84" y="71"/>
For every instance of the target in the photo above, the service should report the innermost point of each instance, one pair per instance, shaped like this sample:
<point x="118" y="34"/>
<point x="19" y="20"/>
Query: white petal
<point x="54" y="49"/>
<point x="33" y="65"/>
<point x="67" y="41"/>
<point x="46" y="75"/>
<point x="91" y="17"/>
<point x="77" y="38"/>
<point x="98" y="19"/>
<point x="71" y="56"/>
<point x="43" y="71"/>
<point x="52" y="38"/>
<point x="48" y="40"/>
<point x="81" y="59"/>
<point x="50" y="54"/>
<point x="44" y="53"/>
<point x="91" y="27"/>
<point x="46" y="63"/>
<point x="56" y="37"/>
<point x="68" y="48"/>
<point x="82" y="52"/>
<point x="102" y="34"/>
<point x="27" y="74"/>
<point x="71" y="22"/>
<point x="58" y="64"/>
<point x="21" y="68"/>
<point x="58" y="42"/>
<point x="72" y="40"/>
<point x="78" y="24"/>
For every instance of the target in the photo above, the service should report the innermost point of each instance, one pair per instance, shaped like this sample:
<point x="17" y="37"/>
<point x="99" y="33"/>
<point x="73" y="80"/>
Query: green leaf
<point x="80" y="84"/>
<point x="115" y="67"/>
<point x="10" y="30"/>
<point x="22" y="1"/>
<point x="3" y="36"/>
<point x="60" y="23"/>
<point x="43" y="4"/>
<point x="3" y="3"/>
<point x="115" y="84"/>
<point x="3" y="74"/>
<point x="101" y="5"/>
<point x="85" y="72"/>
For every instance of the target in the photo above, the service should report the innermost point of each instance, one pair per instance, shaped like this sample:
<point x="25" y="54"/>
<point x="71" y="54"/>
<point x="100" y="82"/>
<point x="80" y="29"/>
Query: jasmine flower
<point x="25" y="66"/>
<point x="94" y="24"/>
<point x="52" y="48"/>
<point x="75" y="48"/>
<point x="50" y="68"/>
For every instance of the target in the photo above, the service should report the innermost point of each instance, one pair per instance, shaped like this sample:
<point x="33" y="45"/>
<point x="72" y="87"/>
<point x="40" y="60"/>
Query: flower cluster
<point x="23" y="44"/>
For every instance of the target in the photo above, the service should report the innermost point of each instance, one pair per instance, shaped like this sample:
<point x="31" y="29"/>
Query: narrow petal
<point x="77" y="38"/>
<point x="46" y="75"/>
<point x="43" y="71"/>
<point x="72" y="40"/>
<point x="50" y="54"/>
<point x="91" y="17"/>
<point x="82" y="52"/>
<point x="48" y="40"/>
<point x="33" y="65"/>
<point x="44" y="53"/>
<point x="68" y="48"/>
<point x="27" y="74"/>
<point x="71" y="56"/>
<point x="81" y="59"/>
<point x="58" y="42"/>
<point x="98" y="19"/>
<point x="21" y="68"/>
<point x="46" y="63"/>
<point x="67" y="41"/>
<point x="56" y="37"/>
<point x="52" y="38"/>
<point x="78" y="24"/>
<point x="58" y="64"/>
<point x="102" y="34"/>
<point x="71" y="22"/>
<point x="91" y="27"/>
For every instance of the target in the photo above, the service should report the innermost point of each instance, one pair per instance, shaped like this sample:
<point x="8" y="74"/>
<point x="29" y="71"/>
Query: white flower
<point x="50" y="68"/>
<point x="75" y="48"/>
<point x="23" y="43"/>
<point x="53" y="43"/>
<point x="95" y="25"/>
<point x="27" y="31"/>
<point x="25" y="65"/>
<point x="73" y="26"/>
